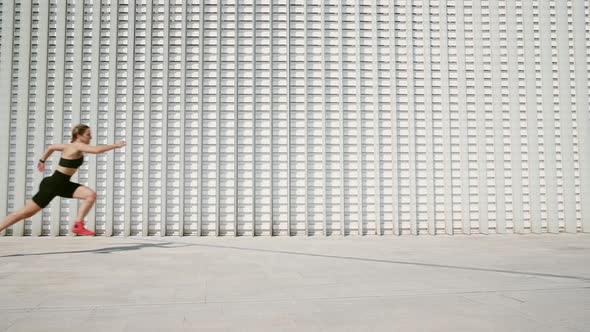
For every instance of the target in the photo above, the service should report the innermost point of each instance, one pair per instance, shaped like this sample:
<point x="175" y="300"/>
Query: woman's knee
<point x="91" y="197"/>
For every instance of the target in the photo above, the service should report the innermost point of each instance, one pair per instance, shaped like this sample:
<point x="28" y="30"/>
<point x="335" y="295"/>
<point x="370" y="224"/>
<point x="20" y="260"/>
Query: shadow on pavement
<point x="107" y="250"/>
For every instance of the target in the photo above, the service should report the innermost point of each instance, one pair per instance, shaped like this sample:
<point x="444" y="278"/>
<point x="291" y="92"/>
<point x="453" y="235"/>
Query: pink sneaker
<point x="80" y="229"/>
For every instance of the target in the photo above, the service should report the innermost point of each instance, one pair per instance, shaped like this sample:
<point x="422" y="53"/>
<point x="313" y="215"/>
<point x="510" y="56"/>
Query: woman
<point x="59" y="183"/>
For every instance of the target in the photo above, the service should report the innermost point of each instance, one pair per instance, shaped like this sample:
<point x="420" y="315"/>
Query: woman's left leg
<point x="29" y="210"/>
<point x="88" y="197"/>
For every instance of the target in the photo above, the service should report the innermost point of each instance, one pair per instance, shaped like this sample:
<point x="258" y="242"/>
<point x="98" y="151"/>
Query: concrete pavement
<point x="425" y="283"/>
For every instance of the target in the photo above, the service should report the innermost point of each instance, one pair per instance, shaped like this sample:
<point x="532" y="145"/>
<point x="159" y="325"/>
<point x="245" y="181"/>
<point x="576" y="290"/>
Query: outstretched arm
<point x="99" y="148"/>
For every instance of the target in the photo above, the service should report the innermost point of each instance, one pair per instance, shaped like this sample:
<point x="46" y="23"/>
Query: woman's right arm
<point x="47" y="153"/>
<point x="99" y="148"/>
<point x="50" y="149"/>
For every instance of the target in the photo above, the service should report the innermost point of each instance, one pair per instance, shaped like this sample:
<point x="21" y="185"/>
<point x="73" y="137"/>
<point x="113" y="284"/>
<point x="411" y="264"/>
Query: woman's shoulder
<point x="72" y="151"/>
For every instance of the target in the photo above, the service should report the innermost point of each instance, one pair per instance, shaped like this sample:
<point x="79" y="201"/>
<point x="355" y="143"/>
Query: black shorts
<point x="58" y="184"/>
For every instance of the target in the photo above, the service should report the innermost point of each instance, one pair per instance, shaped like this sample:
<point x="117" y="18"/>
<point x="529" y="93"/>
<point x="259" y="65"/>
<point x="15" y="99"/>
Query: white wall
<point x="302" y="118"/>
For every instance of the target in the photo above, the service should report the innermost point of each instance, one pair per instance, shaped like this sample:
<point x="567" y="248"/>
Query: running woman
<point x="59" y="183"/>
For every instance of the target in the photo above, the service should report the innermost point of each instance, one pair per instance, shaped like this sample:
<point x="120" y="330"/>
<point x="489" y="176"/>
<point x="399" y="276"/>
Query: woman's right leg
<point x="89" y="197"/>
<point x="30" y="209"/>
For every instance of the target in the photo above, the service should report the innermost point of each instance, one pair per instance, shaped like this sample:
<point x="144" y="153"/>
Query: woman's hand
<point x="120" y="144"/>
<point x="40" y="166"/>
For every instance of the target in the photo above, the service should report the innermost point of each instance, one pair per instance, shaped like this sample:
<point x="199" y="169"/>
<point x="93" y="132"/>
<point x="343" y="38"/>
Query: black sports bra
<point x="71" y="163"/>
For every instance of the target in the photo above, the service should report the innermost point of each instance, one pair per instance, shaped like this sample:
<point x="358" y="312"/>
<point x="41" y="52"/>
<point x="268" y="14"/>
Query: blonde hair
<point x="78" y="130"/>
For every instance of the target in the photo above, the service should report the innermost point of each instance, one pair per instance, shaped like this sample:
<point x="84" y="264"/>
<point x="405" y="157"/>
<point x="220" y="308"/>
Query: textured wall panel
<point x="302" y="117"/>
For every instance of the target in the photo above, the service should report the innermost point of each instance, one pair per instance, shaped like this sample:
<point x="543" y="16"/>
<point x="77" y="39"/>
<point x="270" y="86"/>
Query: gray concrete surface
<point x="460" y="283"/>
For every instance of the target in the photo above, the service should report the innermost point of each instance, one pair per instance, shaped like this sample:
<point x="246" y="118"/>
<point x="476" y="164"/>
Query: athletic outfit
<point x="59" y="184"/>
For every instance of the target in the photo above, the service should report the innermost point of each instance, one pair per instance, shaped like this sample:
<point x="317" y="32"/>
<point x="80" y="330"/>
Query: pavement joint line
<point x="166" y="243"/>
<point x="537" y="274"/>
<point x="514" y="299"/>
<point x="206" y="302"/>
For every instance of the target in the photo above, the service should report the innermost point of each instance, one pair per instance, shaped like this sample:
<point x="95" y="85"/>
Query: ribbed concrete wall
<point x="303" y="118"/>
